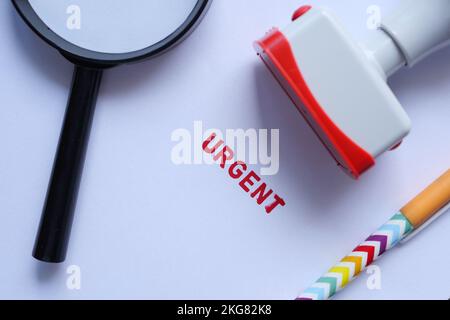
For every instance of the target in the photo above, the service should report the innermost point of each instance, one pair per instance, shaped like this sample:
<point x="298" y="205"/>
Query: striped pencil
<point x="412" y="218"/>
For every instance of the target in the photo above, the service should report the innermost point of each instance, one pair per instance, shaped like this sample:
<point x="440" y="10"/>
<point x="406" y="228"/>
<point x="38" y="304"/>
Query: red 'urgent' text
<point x="249" y="181"/>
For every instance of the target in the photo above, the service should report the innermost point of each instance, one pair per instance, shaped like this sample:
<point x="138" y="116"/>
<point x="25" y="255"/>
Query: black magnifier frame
<point x="54" y="229"/>
<point x="91" y="58"/>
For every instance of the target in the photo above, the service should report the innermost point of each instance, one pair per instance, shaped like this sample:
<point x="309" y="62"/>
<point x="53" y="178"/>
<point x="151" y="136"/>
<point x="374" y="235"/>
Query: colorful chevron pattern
<point x="386" y="237"/>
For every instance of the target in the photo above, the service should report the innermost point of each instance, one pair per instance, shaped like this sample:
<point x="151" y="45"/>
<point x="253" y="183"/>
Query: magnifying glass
<point x="95" y="35"/>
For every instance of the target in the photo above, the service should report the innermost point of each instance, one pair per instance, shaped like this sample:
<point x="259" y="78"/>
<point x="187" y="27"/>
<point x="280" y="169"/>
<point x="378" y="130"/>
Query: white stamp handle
<point x="419" y="28"/>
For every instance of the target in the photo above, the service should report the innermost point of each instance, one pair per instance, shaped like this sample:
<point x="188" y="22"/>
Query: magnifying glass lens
<point x="113" y="26"/>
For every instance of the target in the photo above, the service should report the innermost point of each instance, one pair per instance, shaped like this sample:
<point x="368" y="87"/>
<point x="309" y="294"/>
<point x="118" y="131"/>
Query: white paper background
<point x="145" y="228"/>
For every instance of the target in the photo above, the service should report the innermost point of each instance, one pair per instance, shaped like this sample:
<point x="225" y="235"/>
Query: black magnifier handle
<point x="57" y="216"/>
